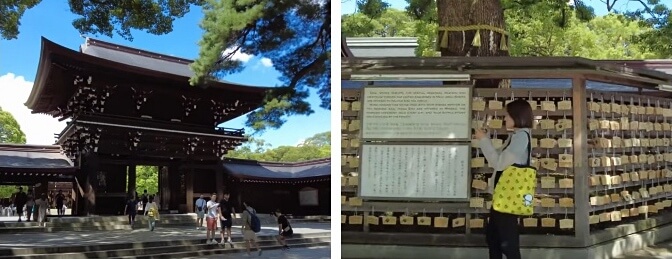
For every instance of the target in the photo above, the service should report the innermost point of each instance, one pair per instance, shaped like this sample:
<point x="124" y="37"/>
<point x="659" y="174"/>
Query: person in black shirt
<point x="20" y="199"/>
<point x="284" y="229"/>
<point x="60" y="199"/>
<point x="145" y="200"/>
<point x="226" y="212"/>
<point x="131" y="210"/>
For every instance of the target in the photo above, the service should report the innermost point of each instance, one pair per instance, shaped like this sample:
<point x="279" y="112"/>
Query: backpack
<point x="255" y="224"/>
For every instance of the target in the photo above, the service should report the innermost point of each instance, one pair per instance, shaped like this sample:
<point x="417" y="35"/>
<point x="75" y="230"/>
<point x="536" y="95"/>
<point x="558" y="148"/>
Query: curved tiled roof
<point x="14" y="157"/>
<point x="251" y="169"/>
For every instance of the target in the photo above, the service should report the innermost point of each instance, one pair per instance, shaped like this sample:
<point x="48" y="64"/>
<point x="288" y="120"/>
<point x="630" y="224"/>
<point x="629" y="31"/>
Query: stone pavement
<point x="659" y="251"/>
<point x="25" y="240"/>
<point x="320" y="252"/>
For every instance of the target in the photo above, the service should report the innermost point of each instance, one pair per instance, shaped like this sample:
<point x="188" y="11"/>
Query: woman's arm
<point x="500" y="160"/>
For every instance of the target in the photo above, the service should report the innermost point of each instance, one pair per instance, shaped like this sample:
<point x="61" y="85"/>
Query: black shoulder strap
<point x="529" y="148"/>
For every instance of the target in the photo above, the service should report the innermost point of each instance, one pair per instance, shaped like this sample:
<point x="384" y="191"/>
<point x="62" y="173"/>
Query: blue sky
<point x="53" y="20"/>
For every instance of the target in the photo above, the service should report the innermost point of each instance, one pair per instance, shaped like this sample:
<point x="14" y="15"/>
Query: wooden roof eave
<point x="43" y="69"/>
<point x="245" y="177"/>
<point x="66" y="170"/>
<point x="50" y="49"/>
<point x="566" y="68"/>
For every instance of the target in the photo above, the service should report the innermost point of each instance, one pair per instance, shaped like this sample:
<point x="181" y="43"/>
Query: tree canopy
<point x="294" y="34"/>
<point x="315" y="147"/>
<point x="536" y="28"/>
<point x="11" y="133"/>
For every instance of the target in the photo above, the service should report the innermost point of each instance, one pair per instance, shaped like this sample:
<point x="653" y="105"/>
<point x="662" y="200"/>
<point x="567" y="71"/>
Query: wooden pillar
<point x="189" y="179"/>
<point x="164" y="187"/>
<point x="581" y="184"/>
<point x="219" y="178"/>
<point x="90" y="168"/>
<point x="132" y="179"/>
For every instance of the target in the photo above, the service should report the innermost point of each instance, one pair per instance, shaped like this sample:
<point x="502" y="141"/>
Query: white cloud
<point x="242" y="57"/>
<point x="301" y="142"/>
<point x="39" y="128"/>
<point x="266" y="62"/>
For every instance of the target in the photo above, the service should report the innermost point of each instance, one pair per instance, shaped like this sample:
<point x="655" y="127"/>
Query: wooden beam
<point x="581" y="184"/>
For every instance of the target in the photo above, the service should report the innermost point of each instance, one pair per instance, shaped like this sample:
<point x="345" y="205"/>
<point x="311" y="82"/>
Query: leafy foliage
<point x="537" y="28"/>
<point x="10" y="16"/>
<point x="10" y="131"/>
<point x="294" y="34"/>
<point x="152" y="16"/>
<point x="315" y="147"/>
<point x="105" y="17"/>
<point x="147" y="178"/>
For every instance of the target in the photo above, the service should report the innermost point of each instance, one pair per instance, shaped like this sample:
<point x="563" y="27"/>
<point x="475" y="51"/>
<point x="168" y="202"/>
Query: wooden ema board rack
<point x="629" y="175"/>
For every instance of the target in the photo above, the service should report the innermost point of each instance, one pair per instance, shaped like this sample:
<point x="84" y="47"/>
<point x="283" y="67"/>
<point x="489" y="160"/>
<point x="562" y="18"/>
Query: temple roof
<point x="140" y="58"/>
<point x="53" y="83"/>
<point x="250" y="169"/>
<point x="24" y="158"/>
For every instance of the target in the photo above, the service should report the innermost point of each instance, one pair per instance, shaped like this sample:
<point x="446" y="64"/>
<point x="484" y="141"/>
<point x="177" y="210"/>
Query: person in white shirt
<point x="211" y="219"/>
<point x="42" y="207"/>
<point x="152" y="213"/>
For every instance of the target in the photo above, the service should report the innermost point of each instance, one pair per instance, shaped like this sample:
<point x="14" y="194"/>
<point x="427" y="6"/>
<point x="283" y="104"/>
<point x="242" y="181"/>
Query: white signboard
<point x="408" y="172"/>
<point x="414" y="113"/>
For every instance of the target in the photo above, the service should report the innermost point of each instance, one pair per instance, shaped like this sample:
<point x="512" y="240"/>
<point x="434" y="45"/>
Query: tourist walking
<point x="199" y="208"/>
<point x="226" y="213"/>
<point x="42" y="206"/>
<point x="211" y="219"/>
<point x="60" y="203"/>
<point x="284" y="229"/>
<point x="131" y="209"/>
<point x="152" y="213"/>
<point x="20" y="200"/>
<point x="502" y="233"/>
<point x="29" y="206"/>
<point x="145" y="200"/>
<point x="251" y="225"/>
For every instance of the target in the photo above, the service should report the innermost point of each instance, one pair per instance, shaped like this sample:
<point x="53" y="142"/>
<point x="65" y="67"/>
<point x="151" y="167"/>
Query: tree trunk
<point x="454" y="14"/>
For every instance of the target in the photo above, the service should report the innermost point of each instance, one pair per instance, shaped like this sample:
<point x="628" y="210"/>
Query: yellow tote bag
<point x="514" y="192"/>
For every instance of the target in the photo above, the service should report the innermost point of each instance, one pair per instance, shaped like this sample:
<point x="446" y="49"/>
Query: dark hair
<point x="151" y="198"/>
<point x="521" y="113"/>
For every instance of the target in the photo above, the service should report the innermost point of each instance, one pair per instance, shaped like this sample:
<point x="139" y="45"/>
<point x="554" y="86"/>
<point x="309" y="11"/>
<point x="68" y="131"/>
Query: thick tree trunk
<point x="460" y="13"/>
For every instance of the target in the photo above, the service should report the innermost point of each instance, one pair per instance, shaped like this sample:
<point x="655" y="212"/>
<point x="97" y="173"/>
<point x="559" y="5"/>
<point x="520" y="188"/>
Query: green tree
<point x="315" y="147"/>
<point x="390" y="23"/>
<point x="10" y="131"/>
<point x="294" y="34"/>
<point x="105" y="17"/>
<point x="540" y="31"/>
<point x="147" y="178"/>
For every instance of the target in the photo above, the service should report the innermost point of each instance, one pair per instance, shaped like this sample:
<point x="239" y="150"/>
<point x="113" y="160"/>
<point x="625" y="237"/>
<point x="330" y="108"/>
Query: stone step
<point x="35" y="252"/>
<point x="211" y="252"/>
<point x="179" y="251"/>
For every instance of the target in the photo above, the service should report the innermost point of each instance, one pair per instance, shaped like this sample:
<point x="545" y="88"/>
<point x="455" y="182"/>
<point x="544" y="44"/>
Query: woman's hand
<point x="480" y="134"/>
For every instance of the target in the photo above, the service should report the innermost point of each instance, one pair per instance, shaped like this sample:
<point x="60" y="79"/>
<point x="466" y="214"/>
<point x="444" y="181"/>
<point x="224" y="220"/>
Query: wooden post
<point x="581" y="185"/>
<point x="132" y="178"/>
<point x="165" y="184"/>
<point x="189" y="181"/>
<point x="219" y="178"/>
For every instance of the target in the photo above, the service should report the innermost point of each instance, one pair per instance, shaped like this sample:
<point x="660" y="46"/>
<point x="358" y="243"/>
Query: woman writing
<point x="502" y="233"/>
